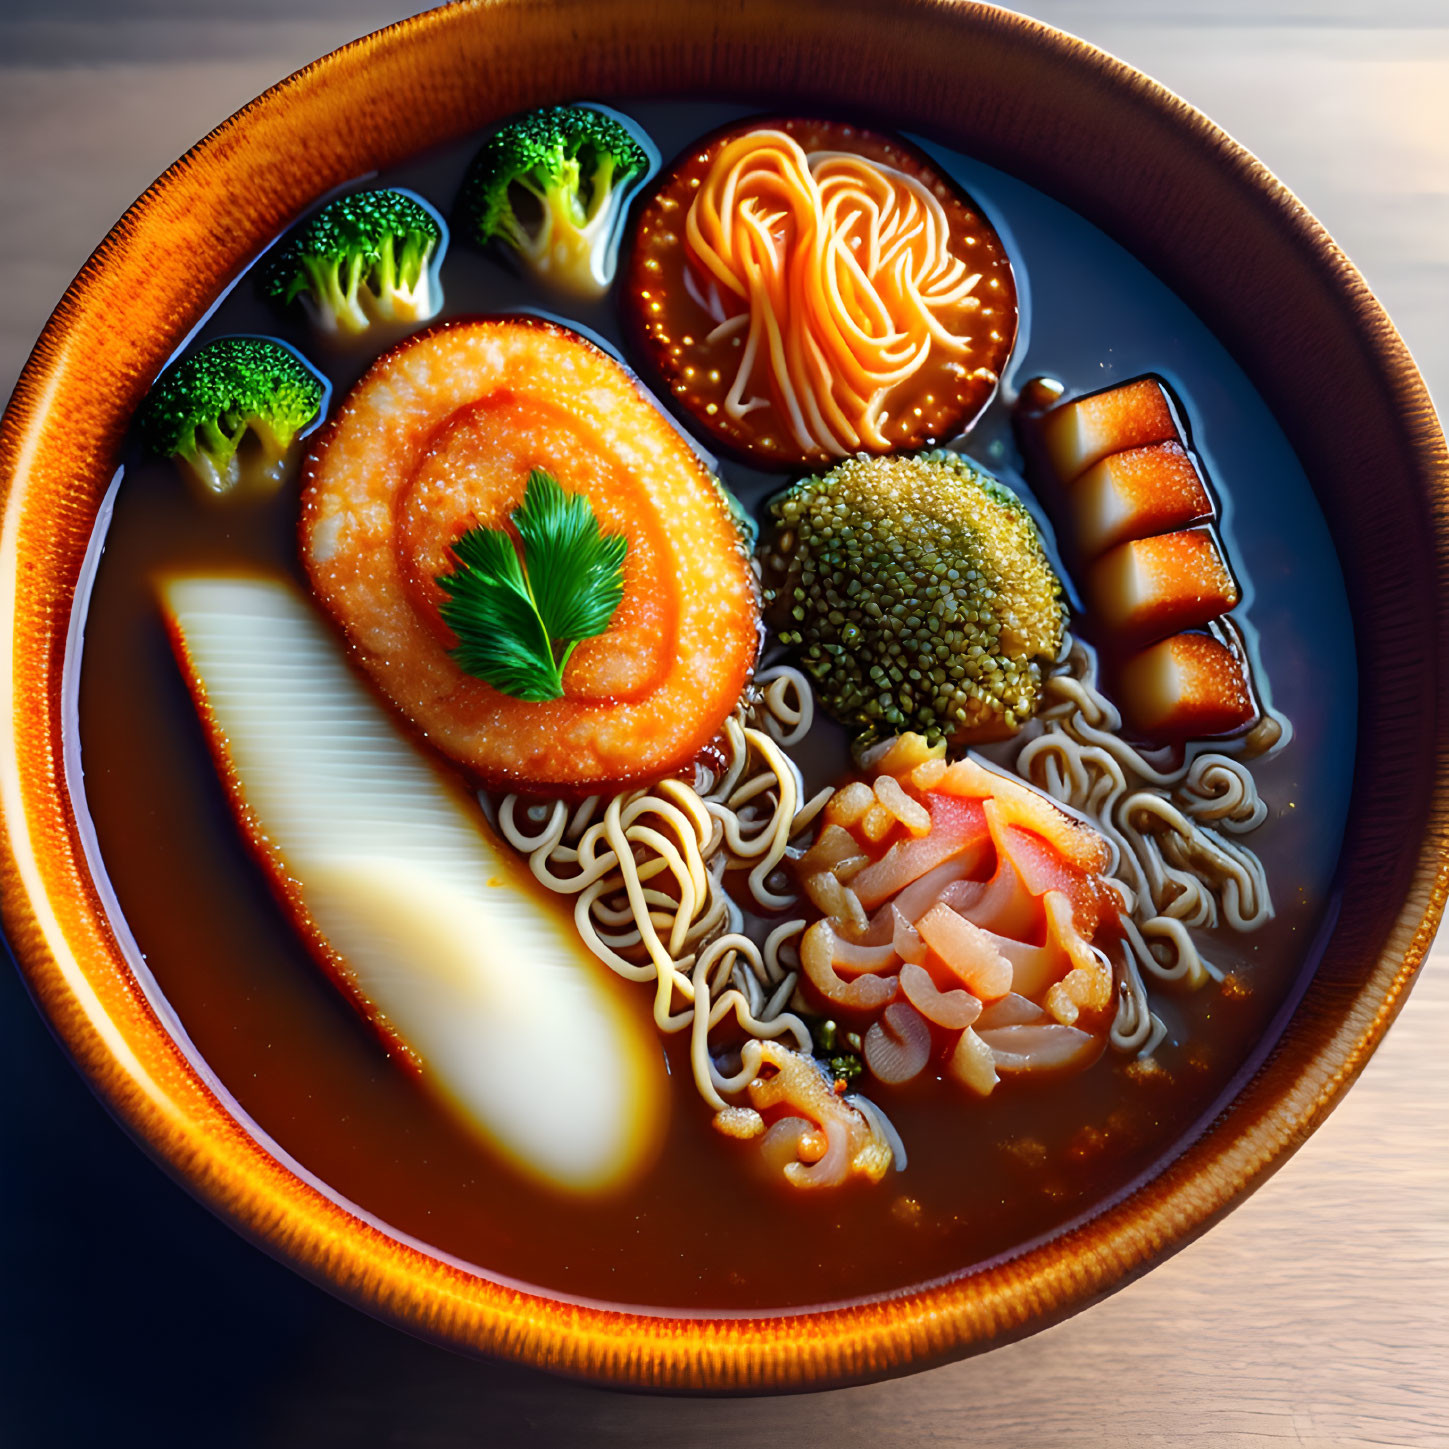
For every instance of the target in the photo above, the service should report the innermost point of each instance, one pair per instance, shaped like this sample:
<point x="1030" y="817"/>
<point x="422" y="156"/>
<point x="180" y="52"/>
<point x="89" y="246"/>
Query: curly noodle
<point x="1177" y="867"/>
<point x="648" y="871"/>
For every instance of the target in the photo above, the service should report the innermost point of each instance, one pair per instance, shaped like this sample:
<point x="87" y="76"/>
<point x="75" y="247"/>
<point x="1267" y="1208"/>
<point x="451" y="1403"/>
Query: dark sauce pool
<point x="706" y="1229"/>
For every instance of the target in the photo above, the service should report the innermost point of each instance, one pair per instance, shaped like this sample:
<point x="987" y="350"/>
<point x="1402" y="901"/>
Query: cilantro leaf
<point x="576" y="575"/>
<point x="518" y="618"/>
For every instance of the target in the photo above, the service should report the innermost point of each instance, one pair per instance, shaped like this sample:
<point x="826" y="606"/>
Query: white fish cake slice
<point x="413" y="908"/>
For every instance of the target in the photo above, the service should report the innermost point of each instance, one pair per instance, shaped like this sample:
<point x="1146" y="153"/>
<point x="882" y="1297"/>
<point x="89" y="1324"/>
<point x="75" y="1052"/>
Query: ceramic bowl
<point x="1200" y="211"/>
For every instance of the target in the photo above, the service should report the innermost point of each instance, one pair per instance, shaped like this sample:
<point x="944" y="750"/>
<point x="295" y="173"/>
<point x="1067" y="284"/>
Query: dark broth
<point x="706" y="1228"/>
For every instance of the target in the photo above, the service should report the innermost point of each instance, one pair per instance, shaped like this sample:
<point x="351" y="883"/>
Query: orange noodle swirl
<point x="845" y="269"/>
<point x="839" y="296"/>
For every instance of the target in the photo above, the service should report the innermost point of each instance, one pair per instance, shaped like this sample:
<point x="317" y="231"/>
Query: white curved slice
<point x="395" y="878"/>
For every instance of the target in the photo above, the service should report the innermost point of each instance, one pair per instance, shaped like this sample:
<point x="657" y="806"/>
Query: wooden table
<point x="1318" y="1313"/>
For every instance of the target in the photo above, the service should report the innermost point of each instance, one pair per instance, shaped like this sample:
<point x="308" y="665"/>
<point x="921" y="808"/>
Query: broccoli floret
<point x="918" y="595"/>
<point x="552" y="186"/>
<point x="363" y="258"/>
<point x="232" y="389"/>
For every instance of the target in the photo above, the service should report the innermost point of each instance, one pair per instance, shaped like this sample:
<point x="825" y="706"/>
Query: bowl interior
<point x="1200" y="212"/>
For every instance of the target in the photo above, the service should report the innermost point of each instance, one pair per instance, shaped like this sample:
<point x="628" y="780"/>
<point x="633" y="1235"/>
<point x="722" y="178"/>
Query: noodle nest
<point x="1179" y="865"/>
<point x="838" y="295"/>
<point x="648" y="869"/>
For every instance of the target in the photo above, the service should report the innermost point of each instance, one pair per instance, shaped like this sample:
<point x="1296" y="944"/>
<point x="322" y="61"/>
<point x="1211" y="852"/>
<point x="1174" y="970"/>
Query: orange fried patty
<point x="440" y="436"/>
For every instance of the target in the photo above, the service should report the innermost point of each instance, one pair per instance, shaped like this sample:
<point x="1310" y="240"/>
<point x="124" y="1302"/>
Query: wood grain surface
<point x="1317" y="1314"/>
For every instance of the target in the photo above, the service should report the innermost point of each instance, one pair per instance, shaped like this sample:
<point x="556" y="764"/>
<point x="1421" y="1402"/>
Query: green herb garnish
<point x="519" y="618"/>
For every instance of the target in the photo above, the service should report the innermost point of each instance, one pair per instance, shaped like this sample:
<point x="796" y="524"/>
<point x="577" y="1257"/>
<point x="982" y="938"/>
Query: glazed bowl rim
<point x="74" y="969"/>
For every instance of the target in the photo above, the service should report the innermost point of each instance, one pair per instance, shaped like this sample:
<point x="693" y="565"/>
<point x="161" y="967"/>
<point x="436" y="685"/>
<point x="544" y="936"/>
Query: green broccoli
<point x="364" y="258"/>
<point x="552" y="185"/>
<point x="235" y="389"/>
<point x="918" y="595"/>
<point x="828" y="1038"/>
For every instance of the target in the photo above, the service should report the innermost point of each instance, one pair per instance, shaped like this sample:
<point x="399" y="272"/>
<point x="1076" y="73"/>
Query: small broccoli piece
<point x="918" y="595"/>
<point x="552" y="186"/>
<point x="231" y="390"/>
<point x="828" y="1038"/>
<point x="363" y="258"/>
